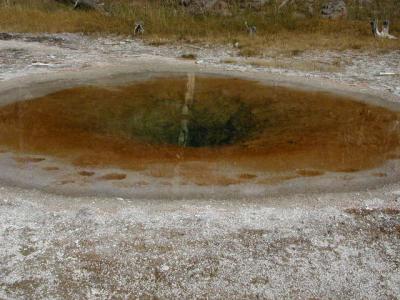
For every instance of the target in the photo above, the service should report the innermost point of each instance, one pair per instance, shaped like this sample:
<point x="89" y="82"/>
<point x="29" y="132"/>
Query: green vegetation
<point x="220" y="120"/>
<point x="152" y="112"/>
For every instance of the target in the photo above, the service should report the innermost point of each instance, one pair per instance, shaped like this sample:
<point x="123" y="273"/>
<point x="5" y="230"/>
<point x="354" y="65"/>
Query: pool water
<point x="201" y="122"/>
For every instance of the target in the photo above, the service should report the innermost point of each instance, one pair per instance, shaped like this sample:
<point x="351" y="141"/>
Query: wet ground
<point x="340" y="244"/>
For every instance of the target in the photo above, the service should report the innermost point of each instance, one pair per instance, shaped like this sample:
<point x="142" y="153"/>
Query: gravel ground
<point x="91" y="248"/>
<point x="23" y="54"/>
<point x="341" y="245"/>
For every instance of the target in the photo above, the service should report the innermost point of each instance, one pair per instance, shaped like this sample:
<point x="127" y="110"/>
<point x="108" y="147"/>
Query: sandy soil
<point x="335" y="242"/>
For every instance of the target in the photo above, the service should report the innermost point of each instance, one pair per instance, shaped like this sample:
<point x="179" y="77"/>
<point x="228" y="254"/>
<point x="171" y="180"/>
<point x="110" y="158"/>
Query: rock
<point x="92" y="4"/>
<point x="300" y="8"/>
<point x="164" y="268"/>
<point x="334" y="9"/>
<point x="253" y="4"/>
<point x="220" y="7"/>
<point x="184" y="2"/>
<point x="5" y="36"/>
<point x="85" y="4"/>
<point x="205" y="6"/>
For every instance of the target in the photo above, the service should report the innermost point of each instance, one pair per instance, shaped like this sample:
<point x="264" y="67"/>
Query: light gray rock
<point x="253" y="4"/>
<point x="220" y="7"/>
<point x="334" y="9"/>
<point x="300" y="8"/>
<point x="88" y="4"/>
<point x="206" y="6"/>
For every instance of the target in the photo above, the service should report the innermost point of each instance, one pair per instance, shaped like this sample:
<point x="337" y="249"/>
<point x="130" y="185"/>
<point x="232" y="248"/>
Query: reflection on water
<point x="183" y="139"/>
<point x="201" y="123"/>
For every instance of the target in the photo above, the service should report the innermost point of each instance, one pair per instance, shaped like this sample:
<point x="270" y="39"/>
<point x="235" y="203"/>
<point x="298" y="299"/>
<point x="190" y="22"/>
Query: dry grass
<point x="166" y="23"/>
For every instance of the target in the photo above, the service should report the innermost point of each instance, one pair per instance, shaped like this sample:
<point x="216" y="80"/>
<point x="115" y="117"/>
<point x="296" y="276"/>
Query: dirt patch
<point x="162" y="171"/>
<point x="140" y="183"/>
<point x="64" y="182"/>
<point x="29" y="159"/>
<point x="369" y="211"/>
<point x="247" y="176"/>
<point x="189" y="56"/>
<point x="113" y="176"/>
<point x="277" y="179"/>
<point x="86" y="173"/>
<point x="6" y="36"/>
<point x="309" y="173"/>
<point x="51" y="169"/>
<point x="379" y="174"/>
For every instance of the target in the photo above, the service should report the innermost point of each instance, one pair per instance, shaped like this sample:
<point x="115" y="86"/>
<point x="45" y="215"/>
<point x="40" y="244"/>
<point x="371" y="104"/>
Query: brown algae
<point x="230" y="123"/>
